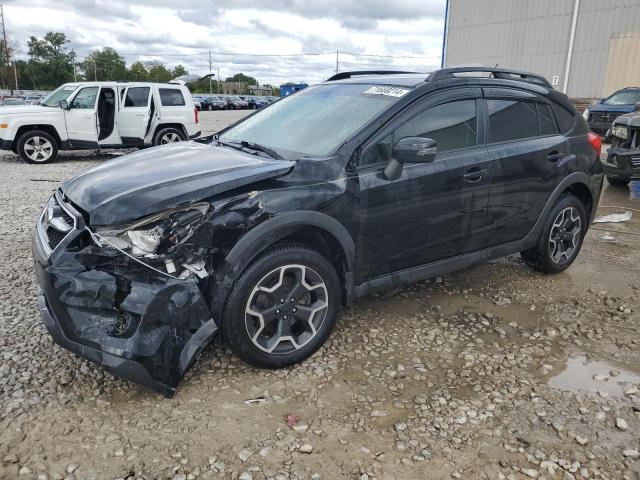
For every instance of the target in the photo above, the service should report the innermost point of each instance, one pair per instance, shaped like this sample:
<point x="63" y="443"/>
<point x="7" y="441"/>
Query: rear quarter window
<point x="566" y="120"/>
<point x="171" y="97"/>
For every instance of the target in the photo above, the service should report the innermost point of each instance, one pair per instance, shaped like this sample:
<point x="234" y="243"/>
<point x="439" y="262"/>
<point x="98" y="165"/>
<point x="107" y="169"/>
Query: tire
<point x="255" y="322"/>
<point x="37" y="147"/>
<point x="168" y="135"/>
<point x="617" y="182"/>
<point x="562" y="222"/>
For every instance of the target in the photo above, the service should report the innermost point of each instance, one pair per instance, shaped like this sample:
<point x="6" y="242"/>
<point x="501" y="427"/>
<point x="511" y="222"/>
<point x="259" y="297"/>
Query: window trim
<point x="394" y="124"/>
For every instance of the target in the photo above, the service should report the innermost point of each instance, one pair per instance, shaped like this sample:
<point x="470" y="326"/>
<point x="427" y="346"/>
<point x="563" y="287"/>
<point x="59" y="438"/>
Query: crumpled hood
<point x="630" y="119"/>
<point x="23" y="109"/>
<point x="159" y="178"/>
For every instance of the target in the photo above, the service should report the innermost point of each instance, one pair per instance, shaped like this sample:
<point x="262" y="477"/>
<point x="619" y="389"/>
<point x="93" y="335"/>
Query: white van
<point x="92" y="115"/>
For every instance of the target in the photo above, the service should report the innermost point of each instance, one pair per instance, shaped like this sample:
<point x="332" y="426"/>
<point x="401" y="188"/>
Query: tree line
<point x="51" y="63"/>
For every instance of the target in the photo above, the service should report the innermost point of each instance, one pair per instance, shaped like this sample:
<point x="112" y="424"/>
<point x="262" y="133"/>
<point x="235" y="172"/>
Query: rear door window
<point x="137" y="97"/>
<point x="545" y="120"/>
<point x="511" y="120"/>
<point x="171" y="97"/>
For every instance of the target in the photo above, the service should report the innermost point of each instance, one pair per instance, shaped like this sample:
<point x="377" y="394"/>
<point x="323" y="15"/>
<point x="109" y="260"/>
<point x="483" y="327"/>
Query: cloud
<point x="184" y="32"/>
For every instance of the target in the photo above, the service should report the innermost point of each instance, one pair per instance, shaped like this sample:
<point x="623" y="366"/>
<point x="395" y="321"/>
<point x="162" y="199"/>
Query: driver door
<point x="81" y="118"/>
<point x="433" y="211"/>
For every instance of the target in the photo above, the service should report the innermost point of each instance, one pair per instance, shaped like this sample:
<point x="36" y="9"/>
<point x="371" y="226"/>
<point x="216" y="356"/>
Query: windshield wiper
<point x="251" y="146"/>
<point x="260" y="148"/>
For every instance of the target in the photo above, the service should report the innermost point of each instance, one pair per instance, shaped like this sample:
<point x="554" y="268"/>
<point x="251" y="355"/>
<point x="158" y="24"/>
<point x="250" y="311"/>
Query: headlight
<point x="620" y="132"/>
<point x="156" y="234"/>
<point x="585" y="114"/>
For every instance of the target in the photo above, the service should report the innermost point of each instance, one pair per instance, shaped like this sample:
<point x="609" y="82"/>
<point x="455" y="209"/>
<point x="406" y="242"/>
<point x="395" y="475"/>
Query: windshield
<point x="628" y="97"/>
<point x="62" y="93"/>
<point x="315" y="120"/>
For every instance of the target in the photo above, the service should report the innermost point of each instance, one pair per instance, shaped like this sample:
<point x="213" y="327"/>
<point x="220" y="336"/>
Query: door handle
<point x="554" y="156"/>
<point x="474" y="175"/>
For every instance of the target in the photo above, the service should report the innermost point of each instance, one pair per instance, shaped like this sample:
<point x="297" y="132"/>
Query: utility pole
<point x="337" y="62"/>
<point x="73" y="56"/>
<point x="6" y="45"/>
<point x="210" y="89"/>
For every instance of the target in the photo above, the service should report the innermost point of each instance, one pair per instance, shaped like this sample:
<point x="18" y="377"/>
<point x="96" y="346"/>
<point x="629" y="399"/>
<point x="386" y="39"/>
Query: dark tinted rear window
<point x="171" y="97"/>
<point x="545" y="120"/>
<point x="512" y="120"/>
<point x="566" y="119"/>
<point x="137" y="97"/>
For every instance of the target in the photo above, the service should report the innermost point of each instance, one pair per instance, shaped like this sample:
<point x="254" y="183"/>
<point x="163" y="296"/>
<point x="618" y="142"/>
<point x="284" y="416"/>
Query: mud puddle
<point x="594" y="376"/>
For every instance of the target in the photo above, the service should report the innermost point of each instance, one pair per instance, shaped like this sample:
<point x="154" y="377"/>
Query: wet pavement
<point x="489" y="373"/>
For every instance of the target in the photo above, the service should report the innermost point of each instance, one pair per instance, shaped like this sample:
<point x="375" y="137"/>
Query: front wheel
<point x="282" y="308"/>
<point x="168" y="135"/>
<point x="37" y="146"/>
<point x="561" y="237"/>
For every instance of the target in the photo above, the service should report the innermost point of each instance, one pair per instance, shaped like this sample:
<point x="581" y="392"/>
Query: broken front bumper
<point x="104" y="306"/>
<point x="622" y="163"/>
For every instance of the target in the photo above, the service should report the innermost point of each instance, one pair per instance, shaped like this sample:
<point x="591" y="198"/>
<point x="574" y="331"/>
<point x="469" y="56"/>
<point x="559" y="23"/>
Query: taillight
<point x="595" y="142"/>
<point x="195" y="112"/>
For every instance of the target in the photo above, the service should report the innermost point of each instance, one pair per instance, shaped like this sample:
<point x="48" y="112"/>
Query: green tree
<point x="137" y="72"/>
<point x="104" y="65"/>
<point x="50" y="61"/>
<point x="241" y="77"/>
<point x="158" y="72"/>
<point x="178" y="71"/>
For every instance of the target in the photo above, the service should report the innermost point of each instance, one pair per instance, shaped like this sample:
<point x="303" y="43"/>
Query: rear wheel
<point x="618" y="182"/>
<point x="282" y="308"/>
<point x="561" y="237"/>
<point x="37" y="146"/>
<point x="168" y="135"/>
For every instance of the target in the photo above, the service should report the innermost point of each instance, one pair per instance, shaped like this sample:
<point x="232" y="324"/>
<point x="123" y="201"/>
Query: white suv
<point x="91" y="115"/>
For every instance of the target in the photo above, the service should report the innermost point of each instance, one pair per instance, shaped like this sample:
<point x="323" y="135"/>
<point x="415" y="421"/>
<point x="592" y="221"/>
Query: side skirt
<point x="441" y="267"/>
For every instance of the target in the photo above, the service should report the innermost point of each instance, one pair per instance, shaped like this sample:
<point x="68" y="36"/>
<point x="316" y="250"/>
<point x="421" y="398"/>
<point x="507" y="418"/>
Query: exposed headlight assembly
<point x="620" y="132"/>
<point x="157" y="234"/>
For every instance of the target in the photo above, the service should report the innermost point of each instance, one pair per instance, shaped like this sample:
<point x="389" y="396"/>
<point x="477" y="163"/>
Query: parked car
<point x="601" y="114"/>
<point x="261" y="102"/>
<point x="216" y="102"/>
<point x="11" y="101"/>
<point x="197" y="104"/>
<point x="205" y="103"/>
<point x="264" y="231"/>
<point x="623" y="158"/>
<point x="33" y="99"/>
<point x="99" y="114"/>
<point x="236" y="103"/>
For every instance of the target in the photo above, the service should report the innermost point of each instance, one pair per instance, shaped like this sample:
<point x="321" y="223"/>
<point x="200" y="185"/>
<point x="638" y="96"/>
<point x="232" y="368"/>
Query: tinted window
<point x="452" y="125"/>
<point x="566" y="119"/>
<point x="86" y="98"/>
<point x="170" y="97"/>
<point x="545" y="120"/>
<point x="511" y="120"/>
<point x="137" y="97"/>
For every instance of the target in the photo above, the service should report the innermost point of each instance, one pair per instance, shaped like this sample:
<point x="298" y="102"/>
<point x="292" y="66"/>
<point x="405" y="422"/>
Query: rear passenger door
<point x="134" y="115"/>
<point x="529" y="158"/>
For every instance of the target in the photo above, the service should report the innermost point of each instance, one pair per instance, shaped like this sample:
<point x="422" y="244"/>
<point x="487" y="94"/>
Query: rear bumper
<point x="140" y="325"/>
<point x="622" y="164"/>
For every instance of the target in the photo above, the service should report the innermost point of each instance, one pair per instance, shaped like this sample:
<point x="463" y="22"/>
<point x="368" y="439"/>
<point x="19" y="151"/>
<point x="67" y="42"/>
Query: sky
<point x="183" y="32"/>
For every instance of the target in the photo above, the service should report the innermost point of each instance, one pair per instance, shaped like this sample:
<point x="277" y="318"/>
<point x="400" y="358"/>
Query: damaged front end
<point x="130" y="297"/>
<point x="623" y="158"/>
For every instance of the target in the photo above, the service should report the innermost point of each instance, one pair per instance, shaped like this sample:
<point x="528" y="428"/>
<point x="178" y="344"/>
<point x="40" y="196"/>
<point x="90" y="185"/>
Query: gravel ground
<point x="495" y="372"/>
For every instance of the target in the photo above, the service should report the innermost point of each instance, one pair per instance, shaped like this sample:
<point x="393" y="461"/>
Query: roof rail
<point x="345" y="75"/>
<point x="502" y="73"/>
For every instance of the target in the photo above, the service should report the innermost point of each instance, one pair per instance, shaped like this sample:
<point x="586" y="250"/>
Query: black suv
<point x="264" y="231"/>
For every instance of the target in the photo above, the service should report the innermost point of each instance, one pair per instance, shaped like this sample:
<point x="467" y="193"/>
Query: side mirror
<point x="64" y="105"/>
<point x="596" y="101"/>
<point x="636" y="107"/>
<point x="410" y="150"/>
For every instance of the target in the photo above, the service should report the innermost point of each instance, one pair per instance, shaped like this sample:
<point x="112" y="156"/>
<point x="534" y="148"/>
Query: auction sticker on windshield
<point x="389" y="91"/>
